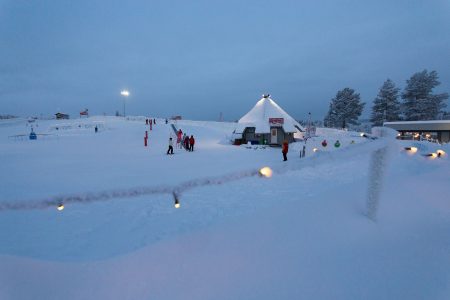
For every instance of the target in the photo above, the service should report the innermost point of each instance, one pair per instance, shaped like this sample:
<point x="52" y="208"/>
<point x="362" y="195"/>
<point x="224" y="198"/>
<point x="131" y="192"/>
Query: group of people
<point x="183" y="140"/>
<point x="149" y="121"/>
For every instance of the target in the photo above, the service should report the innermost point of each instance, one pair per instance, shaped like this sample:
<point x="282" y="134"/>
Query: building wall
<point x="249" y="135"/>
<point x="445" y="136"/>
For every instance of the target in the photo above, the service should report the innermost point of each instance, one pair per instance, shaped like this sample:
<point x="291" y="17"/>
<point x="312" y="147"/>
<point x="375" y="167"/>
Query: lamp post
<point x="125" y="94"/>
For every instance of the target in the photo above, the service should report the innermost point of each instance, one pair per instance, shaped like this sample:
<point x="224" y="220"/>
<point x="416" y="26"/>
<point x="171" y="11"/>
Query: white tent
<point x="262" y="113"/>
<point x="266" y="115"/>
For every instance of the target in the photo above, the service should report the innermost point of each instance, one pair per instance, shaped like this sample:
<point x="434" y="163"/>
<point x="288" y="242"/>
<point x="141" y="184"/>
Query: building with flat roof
<point x="438" y="130"/>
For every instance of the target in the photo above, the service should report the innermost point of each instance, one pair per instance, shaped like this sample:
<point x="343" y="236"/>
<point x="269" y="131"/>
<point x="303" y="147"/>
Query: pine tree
<point x="330" y="118"/>
<point x="418" y="101"/>
<point x="386" y="106"/>
<point x="344" y="109"/>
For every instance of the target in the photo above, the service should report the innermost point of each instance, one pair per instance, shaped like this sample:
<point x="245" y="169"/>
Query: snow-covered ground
<point x="302" y="234"/>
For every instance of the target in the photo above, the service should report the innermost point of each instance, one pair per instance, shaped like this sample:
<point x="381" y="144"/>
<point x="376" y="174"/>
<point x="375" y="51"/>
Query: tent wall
<point x="249" y="135"/>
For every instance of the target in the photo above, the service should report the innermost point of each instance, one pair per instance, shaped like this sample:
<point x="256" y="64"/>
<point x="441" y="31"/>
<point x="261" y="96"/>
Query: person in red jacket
<point x="285" y="150"/>
<point x="191" y="143"/>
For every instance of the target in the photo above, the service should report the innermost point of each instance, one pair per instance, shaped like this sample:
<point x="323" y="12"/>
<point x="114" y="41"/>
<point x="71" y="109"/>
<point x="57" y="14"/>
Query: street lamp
<point x="125" y="94"/>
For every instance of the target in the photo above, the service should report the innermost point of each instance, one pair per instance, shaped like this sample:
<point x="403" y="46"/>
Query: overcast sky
<point x="200" y="58"/>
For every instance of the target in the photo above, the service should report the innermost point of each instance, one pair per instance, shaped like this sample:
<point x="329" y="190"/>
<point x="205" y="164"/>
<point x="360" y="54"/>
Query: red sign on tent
<point x="276" y="121"/>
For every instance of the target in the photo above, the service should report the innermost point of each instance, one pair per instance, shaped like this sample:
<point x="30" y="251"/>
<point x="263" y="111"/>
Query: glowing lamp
<point x="361" y="134"/>
<point x="440" y="153"/>
<point x="176" y="200"/>
<point x="315" y="149"/>
<point x="431" y="155"/>
<point x="177" y="203"/>
<point x="266" y="172"/>
<point x="125" y="93"/>
<point x="60" y="207"/>
<point x="411" y="149"/>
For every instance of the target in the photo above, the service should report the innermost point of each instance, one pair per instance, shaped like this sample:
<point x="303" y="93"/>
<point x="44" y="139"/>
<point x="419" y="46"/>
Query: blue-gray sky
<point x="200" y="58"/>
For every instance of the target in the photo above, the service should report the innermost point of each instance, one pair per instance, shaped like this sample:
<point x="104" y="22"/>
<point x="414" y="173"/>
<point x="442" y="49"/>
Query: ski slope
<point x="301" y="234"/>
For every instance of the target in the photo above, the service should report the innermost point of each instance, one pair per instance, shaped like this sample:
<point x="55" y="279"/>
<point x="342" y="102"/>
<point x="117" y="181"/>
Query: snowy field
<point x="301" y="234"/>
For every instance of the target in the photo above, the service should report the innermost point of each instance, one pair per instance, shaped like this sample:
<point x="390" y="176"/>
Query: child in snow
<point x="285" y="150"/>
<point x="170" y="150"/>
<point x="191" y="143"/>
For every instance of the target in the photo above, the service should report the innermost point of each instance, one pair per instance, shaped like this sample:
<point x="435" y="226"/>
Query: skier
<point x="167" y="121"/>
<point x="154" y="121"/>
<point x="146" y="121"/>
<point x="285" y="150"/>
<point x="191" y="143"/>
<point x="303" y="151"/>
<point x="96" y="129"/>
<point x="170" y="150"/>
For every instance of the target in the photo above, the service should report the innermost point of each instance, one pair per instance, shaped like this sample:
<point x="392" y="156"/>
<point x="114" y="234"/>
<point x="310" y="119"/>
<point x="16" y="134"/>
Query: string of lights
<point x="60" y="201"/>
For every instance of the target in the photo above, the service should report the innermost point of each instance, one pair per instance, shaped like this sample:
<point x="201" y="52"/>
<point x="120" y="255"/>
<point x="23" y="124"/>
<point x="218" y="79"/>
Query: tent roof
<point x="259" y="115"/>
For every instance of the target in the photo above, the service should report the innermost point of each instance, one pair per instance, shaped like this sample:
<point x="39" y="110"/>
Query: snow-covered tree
<point x="418" y="101"/>
<point x="344" y="109"/>
<point x="386" y="106"/>
<point x="330" y="118"/>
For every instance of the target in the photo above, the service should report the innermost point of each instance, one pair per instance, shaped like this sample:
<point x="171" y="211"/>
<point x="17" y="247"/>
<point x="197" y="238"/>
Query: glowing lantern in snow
<point x="266" y="172"/>
<point x="411" y="149"/>
<point x="60" y="207"/>
<point x="431" y="155"/>
<point x="440" y="153"/>
<point x="315" y="149"/>
<point x="177" y="203"/>
<point x="176" y="200"/>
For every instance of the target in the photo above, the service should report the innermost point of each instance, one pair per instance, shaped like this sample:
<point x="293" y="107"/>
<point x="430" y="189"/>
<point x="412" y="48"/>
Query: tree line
<point x="418" y="103"/>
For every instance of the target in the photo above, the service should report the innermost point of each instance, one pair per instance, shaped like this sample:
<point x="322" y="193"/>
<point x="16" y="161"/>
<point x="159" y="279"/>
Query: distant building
<point x="419" y="130"/>
<point x="175" y="118"/>
<point x="267" y="123"/>
<point x="60" y="116"/>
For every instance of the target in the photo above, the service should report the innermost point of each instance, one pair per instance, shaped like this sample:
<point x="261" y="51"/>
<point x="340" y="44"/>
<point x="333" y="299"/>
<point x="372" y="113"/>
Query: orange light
<point x="60" y="207"/>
